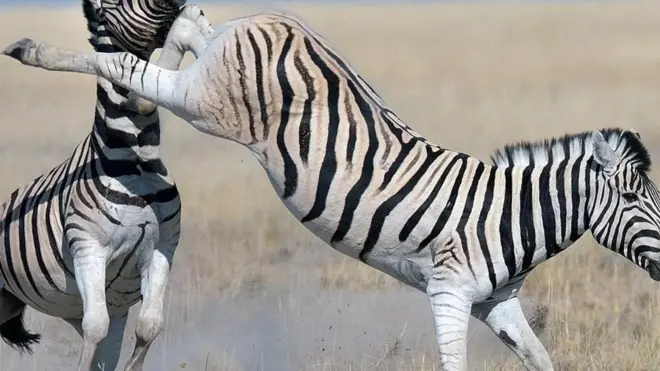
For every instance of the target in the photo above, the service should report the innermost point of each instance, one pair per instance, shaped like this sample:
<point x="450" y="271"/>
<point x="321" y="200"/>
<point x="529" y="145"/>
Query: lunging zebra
<point x="97" y="233"/>
<point x="464" y="231"/>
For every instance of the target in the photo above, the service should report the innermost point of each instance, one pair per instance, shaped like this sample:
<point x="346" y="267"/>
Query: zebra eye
<point x="630" y="197"/>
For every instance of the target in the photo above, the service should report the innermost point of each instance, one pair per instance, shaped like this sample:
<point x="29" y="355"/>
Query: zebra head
<point x="136" y="26"/>
<point x="624" y="212"/>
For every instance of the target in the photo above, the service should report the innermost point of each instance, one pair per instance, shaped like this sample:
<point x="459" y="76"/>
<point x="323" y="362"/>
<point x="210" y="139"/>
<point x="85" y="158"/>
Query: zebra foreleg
<point x="108" y="350"/>
<point x="508" y="322"/>
<point x="150" y="319"/>
<point x="451" y="300"/>
<point x="451" y="313"/>
<point x="89" y="263"/>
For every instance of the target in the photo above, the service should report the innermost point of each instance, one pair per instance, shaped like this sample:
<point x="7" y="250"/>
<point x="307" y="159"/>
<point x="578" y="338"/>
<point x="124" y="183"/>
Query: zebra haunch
<point x="464" y="231"/>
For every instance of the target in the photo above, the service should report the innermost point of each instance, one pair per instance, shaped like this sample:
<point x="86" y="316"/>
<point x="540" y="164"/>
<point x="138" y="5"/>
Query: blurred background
<point x="254" y="290"/>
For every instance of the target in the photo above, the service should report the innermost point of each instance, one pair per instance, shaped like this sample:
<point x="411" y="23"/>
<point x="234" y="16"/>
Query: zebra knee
<point x="149" y="325"/>
<point x="95" y="324"/>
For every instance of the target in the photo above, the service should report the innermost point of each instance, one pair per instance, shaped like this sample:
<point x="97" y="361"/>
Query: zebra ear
<point x="635" y="133"/>
<point x="604" y="153"/>
<point x="92" y="10"/>
<point x="93" y="4"/>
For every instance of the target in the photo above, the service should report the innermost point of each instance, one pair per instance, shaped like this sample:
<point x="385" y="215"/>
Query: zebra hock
<point x="96" y="234"/>
<point x="463" y="231"/>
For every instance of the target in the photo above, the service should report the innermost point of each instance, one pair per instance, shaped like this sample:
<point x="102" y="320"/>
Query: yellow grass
<point x="252" y="289"/>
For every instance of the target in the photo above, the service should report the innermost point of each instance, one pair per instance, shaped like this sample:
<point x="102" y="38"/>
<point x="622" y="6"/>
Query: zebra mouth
<point x="654" y="270"/>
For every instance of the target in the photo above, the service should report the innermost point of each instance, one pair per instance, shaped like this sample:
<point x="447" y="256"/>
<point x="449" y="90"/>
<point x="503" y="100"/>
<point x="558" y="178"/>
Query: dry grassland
<point x="253" y="290"/>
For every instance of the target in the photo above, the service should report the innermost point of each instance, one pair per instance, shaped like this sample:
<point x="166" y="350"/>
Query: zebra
<point x="97" y="233"/>
<point x="463" y="231"/>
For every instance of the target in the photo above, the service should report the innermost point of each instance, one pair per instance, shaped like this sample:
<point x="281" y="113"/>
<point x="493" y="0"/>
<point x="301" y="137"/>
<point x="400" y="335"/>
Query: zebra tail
<point x="14" y="333"/>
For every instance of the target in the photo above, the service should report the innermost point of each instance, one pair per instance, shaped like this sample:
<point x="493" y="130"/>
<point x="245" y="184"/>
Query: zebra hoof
<point x="20" y="50"/>
<point x="139" y="105"/>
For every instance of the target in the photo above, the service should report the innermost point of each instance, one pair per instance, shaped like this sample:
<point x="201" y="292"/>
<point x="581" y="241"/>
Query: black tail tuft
<point x="13" y="332"/>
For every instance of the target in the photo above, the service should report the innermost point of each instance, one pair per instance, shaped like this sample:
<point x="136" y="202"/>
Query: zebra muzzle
<point x="654" y="270"/>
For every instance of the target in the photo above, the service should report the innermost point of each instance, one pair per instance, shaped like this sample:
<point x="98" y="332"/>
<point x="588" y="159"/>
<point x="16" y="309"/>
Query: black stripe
<point x="506" y="233"/>
<point x="352" y="128"/>
<point x="560" y="179"/>
<point x="526" y="218"/>
<point x="290" y="171"/>
<point x="244" y="88"/>
<point x="329" y="164"/>
<point x="259" y="82"/>
<point x="304" y="129"/>
<point x="355" y="194"/>
<point x="587" y="192"/>
<point x="547" y="210"/>
<point x="575" y="198"/>
<point x="481" y="226"/>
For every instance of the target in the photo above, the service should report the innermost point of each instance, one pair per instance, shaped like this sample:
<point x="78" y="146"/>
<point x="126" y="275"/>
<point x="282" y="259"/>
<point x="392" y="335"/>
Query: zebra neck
<point x="121" y="135"/>
<point x="554" y="207"/>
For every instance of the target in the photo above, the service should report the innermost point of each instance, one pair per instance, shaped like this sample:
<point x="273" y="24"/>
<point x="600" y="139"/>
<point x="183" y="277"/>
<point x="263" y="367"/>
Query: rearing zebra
<point x="97" y="233"/>
<point x="465" y="232"/>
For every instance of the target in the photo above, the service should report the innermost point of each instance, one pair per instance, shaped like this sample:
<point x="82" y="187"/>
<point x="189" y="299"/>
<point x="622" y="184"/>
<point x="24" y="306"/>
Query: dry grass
<point x="252" y="289"/>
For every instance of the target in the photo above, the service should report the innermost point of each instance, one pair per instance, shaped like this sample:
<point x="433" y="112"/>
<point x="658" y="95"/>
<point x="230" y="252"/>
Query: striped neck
<point x="554" y="202"/>
<point x="123" y="135"/>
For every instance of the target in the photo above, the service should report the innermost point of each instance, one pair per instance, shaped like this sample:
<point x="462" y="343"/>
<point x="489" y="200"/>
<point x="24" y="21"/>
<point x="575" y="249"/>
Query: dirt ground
<point x="253" y="290"/>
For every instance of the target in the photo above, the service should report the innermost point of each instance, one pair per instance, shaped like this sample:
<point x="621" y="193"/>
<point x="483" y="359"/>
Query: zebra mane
<point x="626" y="143"/>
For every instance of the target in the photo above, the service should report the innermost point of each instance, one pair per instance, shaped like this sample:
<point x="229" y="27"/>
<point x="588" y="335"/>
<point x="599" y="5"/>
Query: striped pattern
<point x="464" y="231"/>
<point x="114" y="194"/>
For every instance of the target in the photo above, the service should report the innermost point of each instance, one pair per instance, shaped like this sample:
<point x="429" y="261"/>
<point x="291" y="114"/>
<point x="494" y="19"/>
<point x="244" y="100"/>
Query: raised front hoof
<point x="139" y="105"/>
<point x="21" y="50"/>
<point x="192" y="12"/>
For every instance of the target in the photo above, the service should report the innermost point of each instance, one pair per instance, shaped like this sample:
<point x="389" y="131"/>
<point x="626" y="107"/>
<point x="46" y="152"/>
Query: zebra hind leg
<point x="12" y="327"/>
<point x="506" y="319"/>
<point x="150" y="319"/>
